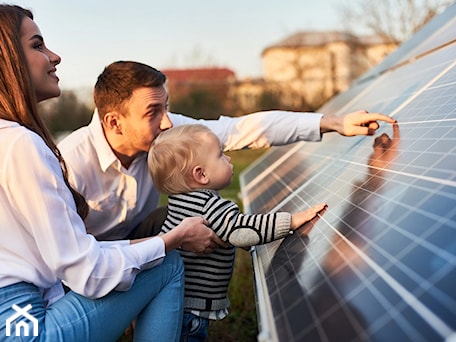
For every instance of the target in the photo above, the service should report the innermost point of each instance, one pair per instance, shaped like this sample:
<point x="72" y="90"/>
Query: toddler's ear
<point x="199" y="175"/>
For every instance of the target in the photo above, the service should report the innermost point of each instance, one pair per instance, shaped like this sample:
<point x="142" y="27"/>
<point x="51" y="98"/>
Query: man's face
<point x="147" y="117"/>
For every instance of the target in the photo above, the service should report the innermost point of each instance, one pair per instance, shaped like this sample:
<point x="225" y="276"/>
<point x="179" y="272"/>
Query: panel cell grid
<point x="379" y="264"/>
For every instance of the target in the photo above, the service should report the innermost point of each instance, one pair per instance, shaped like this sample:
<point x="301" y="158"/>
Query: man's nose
<point x="165" y="122"/>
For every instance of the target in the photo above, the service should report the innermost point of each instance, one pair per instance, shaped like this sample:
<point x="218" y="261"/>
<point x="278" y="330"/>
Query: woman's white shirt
<point x="43" y="239"/>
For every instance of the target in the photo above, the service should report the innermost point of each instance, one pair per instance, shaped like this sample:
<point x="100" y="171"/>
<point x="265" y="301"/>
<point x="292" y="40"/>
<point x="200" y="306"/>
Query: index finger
<point x="369" y="117"/>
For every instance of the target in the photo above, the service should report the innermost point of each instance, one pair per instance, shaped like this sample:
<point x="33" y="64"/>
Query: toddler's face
<point x="217" y="165"/>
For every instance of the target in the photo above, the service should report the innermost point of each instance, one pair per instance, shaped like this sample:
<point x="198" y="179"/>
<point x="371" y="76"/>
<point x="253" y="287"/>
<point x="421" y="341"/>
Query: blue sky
<point x="88" y="35"/>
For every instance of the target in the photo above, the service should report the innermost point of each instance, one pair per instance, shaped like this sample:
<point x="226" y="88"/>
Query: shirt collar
<point x="105" y="154"/>
<point x="7" y="123"/>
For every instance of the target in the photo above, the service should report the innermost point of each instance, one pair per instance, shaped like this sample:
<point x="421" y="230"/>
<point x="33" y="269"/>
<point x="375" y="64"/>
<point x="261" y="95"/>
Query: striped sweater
<point x="207" y="276"/>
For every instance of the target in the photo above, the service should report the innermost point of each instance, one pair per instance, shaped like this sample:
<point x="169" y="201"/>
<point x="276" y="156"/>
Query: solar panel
<point x="380" y="263"/>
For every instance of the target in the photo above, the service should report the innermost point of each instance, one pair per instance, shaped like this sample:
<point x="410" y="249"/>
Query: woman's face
<point x="41" y="61"/>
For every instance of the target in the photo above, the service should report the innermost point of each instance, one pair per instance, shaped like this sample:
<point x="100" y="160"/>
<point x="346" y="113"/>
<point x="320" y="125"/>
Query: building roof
<point x="314" y="38"/>
<point x="320" y="38"/>
<point x="199" y="74"/>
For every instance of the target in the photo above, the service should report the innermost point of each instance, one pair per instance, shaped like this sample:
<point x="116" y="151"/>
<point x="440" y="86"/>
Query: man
<point x="107" y="160"/>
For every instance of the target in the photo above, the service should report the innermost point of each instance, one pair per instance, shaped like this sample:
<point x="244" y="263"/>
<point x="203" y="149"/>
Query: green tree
<point x="65" y="113"/>
<point x="269" y="101"/>
<point x="201" y="102"/>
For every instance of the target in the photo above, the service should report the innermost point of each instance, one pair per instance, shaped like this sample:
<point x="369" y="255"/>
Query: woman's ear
<point x="111" y="121"/>
<point x="199" y="175"/>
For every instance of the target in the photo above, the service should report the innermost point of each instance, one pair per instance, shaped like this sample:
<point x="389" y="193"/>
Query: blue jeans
<point x="155" y="300"/>
<point x="194" y="328"/>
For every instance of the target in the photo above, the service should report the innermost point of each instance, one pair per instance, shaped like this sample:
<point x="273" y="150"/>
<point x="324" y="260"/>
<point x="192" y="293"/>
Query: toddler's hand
<point x="298" y="219"/>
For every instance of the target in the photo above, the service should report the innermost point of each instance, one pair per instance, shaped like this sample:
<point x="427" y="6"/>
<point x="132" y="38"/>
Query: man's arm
<point x="275" y="128"/>
<point x="356" y="123"/>
<point x="193" y="235"/>
<point x="261" y="129"/>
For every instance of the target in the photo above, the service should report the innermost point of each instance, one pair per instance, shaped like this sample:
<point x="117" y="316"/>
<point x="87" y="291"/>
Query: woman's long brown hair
<point x="18" y="101"/>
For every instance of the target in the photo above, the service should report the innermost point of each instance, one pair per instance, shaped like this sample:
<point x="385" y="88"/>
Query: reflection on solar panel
<point x="380" y="263"/>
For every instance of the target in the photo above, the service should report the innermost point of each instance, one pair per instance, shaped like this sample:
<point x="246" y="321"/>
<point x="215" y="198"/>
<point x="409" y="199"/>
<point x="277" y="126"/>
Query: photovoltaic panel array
<point x="379" y="264"/>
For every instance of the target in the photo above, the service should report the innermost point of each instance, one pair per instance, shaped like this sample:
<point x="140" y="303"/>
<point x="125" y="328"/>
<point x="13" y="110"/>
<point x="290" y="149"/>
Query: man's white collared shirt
<point x="120" y="199"/>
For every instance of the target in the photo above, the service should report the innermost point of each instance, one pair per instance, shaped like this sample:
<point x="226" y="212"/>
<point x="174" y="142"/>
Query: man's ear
<point x="111" y="121"/>
<point x="199" y="175"/>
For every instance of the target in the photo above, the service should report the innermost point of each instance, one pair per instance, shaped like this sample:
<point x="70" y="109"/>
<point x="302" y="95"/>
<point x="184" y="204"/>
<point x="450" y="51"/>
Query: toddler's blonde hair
<point x="172" y="156"/>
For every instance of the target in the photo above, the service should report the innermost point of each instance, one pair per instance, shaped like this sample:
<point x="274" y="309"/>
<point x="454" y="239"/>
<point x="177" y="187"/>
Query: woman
<point x="44" y="241"/>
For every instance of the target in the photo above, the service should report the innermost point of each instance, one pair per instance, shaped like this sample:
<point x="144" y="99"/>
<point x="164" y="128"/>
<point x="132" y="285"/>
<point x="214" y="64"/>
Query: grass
<point x="241" y="323"/>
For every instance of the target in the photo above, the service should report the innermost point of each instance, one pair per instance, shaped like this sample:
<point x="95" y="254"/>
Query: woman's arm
<point x="54" y="237"/>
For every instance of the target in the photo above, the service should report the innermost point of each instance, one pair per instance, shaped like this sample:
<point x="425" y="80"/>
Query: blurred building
<point x="300" y="72"/>
<point x="200" y="92"/>
<point x="318" y="65"/>
<point x="182" y="81"/>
